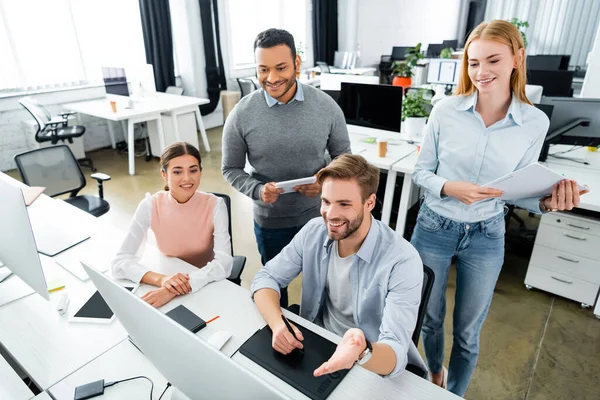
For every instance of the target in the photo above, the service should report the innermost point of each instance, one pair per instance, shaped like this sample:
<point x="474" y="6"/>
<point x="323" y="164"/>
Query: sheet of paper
<point x="534" y="180"/>
<point x="288" y="185"/>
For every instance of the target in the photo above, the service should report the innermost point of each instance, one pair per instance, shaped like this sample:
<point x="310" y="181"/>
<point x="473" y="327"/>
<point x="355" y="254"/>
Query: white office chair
<point x="534" y="93"/>
<point x="174" y="90"/>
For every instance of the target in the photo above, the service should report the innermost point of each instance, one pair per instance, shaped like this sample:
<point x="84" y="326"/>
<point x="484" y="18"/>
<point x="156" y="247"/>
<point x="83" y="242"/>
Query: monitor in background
<point x="444" y="71"/>
<point x="115" y="81"/>
<point x="548" y="62"/>
<point x="400" y="52"/>
<point x="547" y="109"/>
<point x="372" y="106"/>
<point x="334" y="81"/>
<point x="453" y="44"/>
<point x="193" y="366"/>
<point x="18" y="251"/>
<point x="556" y="83"/>
<point x="434" y="50"/>
<point x="344" y="59"/>
<point x="574" y="121"/>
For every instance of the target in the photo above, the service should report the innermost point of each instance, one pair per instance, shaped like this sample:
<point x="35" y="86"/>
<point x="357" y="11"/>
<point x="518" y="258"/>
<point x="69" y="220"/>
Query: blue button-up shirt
<point x="386" y="276"/>
<point x="458" y="147"/>
<point x="299" y="96"/>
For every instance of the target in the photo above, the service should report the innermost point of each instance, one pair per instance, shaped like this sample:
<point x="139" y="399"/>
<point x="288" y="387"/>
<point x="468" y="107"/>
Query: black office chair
<point x="56" y="169"/>
<point x="239" y="262"/>
<point x="54" y="129"/>
<point x="246" y="80"/>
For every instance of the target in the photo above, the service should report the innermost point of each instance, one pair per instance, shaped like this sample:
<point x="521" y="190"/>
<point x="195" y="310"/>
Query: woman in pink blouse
<point x="188" y="224"/>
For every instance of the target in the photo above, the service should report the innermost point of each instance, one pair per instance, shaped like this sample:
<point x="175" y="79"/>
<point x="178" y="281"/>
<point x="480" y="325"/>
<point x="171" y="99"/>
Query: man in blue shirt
<point x="360" y="279"/>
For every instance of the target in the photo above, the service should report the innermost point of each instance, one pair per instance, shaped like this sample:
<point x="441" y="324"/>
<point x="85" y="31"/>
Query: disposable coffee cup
<point x="381" y="147"/>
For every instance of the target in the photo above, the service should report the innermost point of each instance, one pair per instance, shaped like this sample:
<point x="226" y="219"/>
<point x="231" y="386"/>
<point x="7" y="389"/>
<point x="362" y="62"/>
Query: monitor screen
<point x="115" y="81"/>
<point x="372" y="106"/>
<point x="400" y="53"/>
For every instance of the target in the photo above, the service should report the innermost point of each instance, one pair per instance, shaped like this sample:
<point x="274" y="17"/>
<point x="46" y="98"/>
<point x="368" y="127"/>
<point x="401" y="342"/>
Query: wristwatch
<point x="366" y="354"/>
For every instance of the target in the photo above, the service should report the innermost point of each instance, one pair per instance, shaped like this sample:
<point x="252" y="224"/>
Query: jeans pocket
<point x="429" y="221"/>
<point x="495" y="229"/>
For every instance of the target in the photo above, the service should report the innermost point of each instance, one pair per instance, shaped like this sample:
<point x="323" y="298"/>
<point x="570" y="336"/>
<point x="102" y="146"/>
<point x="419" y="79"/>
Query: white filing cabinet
<point x="187" y="130"/>
<point x="566" y="258"/>
<point x="30" y="128"/>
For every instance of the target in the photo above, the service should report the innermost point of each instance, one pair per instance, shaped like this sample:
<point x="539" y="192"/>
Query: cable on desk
<point x="109" y="384"/>
<point x="165" y="391"/>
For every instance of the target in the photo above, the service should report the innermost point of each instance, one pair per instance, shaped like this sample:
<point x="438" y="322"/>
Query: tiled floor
<point x="533" y="346"/>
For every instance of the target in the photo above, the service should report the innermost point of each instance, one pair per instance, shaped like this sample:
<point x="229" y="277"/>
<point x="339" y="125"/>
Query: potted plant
<point x="446" y="53"/>
<point x="300" y="52"/>
<point x="520" y="26"/>
<point x="403" y="70"/>
<point x="414" y="113"/>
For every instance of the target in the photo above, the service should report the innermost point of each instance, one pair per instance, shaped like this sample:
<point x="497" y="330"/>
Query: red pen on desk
<point x="212" y="319"/>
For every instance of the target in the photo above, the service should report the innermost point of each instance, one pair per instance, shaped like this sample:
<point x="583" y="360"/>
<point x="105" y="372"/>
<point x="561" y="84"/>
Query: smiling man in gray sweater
<point x="285" y="130"/>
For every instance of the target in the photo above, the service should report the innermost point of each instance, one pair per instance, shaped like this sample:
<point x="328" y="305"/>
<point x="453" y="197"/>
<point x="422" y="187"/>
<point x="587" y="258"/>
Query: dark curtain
<point x="215" y="73"/>
<point x="158" y="41"/>
<point x="325" y="30"/>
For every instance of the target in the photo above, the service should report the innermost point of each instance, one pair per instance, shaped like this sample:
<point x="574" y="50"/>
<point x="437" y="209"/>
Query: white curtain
<point x="555" y="26"/>
<point x="60" y="43"/>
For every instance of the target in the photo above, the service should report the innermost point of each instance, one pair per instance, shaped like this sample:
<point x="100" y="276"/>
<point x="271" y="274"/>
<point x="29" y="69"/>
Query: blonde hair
<point x="352" y="166"/>
<point x="503" y="32"/>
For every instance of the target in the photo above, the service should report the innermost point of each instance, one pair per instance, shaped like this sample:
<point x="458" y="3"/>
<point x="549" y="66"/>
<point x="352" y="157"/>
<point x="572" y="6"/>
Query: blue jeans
<point x="270" y="243"/>
<point x="479" y="251"/>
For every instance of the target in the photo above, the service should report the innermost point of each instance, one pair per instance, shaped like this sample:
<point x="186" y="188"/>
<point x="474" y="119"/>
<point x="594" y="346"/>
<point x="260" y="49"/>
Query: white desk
<point x="580" y="154"/>
<point x="146" y="109"/>
<point x="398" y="149"/>
<point x="42" y="396"/>
<point x="239" y="316"/>
<point x="406" y="166"/>
<point x="11" y="385"/>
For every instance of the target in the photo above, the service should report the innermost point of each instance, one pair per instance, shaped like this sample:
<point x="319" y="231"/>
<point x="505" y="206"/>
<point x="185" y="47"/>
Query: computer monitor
<point x="574" y="121"/>
<point x="444" y="71"/>
<point x="344" y="59"/>
<point x="372" y="106"/>
<point x="400" y="52"/>
<point x="556" y="83"/>
<point x="18" y="251"/>
<point x="453" y="44"/>
<point x="115" y="81"/>
<point x="189" y="363"/>
<point x="434" y="50"/>
<point x="548" y="62"/>
<point x="547" y="109"/>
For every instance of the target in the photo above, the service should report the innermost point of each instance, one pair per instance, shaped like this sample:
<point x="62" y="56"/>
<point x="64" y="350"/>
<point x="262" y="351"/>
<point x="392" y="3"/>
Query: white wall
<point x="591" y="84"/>
<point x="380" y="25"/>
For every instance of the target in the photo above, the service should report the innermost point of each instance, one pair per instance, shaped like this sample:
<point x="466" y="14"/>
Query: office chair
<point x="323" y="67"/>
<point x="246" y="80"/>
<point x="54" y="129"/>
<point x="239" y="262"/>
<point x="56" y="169"/>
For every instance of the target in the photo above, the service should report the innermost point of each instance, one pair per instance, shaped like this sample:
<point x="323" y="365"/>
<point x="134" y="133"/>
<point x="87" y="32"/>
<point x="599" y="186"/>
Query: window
<point x="248" y="18"/>
<point x="61" y="43"/>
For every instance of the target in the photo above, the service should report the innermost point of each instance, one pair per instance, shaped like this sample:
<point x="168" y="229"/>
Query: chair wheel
<point x="528" y="287"/>
<point x="583" y="305"/>
<point x="148" y="158"/>
<point x="94" y="169"/>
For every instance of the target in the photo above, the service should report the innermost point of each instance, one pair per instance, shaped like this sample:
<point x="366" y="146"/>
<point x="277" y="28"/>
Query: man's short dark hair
<point x="275" y="37"/>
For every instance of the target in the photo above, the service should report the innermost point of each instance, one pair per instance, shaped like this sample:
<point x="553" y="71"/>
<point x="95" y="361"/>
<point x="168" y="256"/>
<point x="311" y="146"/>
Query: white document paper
<point x="288" y="185"/>
<point x="534" y="180"/>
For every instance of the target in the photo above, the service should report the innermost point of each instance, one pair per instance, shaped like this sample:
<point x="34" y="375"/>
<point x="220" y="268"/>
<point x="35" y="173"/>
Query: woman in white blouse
<point x="188" y="224"/>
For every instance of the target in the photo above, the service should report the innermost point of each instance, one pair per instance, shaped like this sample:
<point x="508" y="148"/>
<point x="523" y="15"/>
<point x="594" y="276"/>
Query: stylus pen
<point x="287" y="324"/>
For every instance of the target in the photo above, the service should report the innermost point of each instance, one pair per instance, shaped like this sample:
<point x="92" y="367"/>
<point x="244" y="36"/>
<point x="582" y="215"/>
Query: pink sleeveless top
<point x="185" y="230"/>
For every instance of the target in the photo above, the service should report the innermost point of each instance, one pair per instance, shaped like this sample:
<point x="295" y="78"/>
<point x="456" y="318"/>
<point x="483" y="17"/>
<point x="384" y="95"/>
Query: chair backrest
<point x="174" y="90"/>
<point x="36" y="110"/>
<point x="53" y="167"/>
<point x="428" y="279"/>
<point x="227" y="201"/>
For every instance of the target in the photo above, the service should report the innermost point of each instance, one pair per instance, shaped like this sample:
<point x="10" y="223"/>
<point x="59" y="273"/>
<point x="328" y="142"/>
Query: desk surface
<point x="239" y="316"/>
<point x="578" y="154"/>
<point x="152" y="104"/>
<point x="398" y="146"/>
<point x="11" y="385"/>
<point x="43" y="396"/>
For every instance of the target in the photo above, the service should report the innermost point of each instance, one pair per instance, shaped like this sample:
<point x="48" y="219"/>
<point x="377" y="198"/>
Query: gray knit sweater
<point x="283" y="142"/>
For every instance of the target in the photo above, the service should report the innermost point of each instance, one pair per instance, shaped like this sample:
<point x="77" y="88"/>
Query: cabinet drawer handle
<point x="585" y="228"/>
<point x="561" y="280"/>
<point x="568" y="259"/>
<point x="574" y="237"/>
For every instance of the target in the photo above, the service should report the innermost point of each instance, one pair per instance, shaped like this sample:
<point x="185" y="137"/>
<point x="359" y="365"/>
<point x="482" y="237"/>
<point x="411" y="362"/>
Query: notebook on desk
<point x="297" y="368"/>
